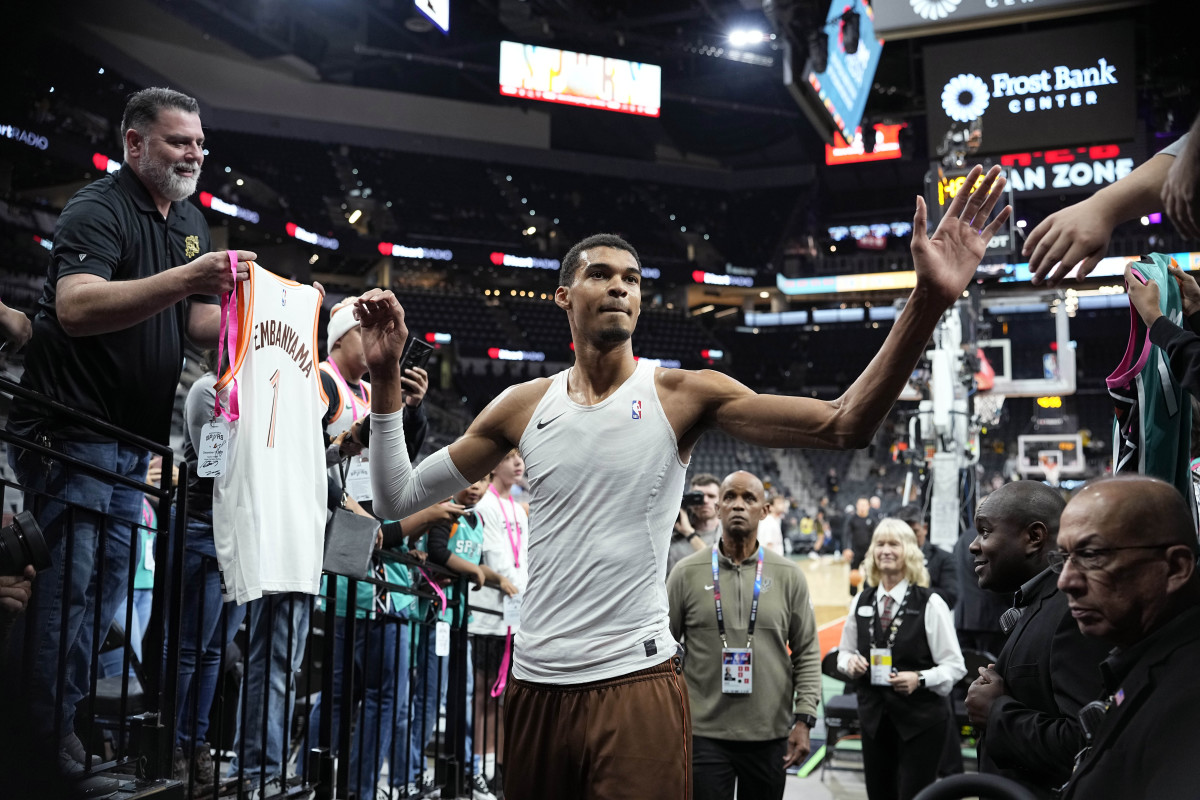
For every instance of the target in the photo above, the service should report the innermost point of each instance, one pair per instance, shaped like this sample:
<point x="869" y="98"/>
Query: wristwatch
<point x="921" y="681"/>
<point x="807" y="719"/>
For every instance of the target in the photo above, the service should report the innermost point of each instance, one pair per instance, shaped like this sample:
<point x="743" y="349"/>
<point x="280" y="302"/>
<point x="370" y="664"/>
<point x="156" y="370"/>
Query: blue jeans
<point x="200" y="640"/>
<point x="143" y="600"/>
<point x="274" y="621"/>
<point x="431" y="674"/>
<point x="64" y="600"/>
<point x="380" y="654"/>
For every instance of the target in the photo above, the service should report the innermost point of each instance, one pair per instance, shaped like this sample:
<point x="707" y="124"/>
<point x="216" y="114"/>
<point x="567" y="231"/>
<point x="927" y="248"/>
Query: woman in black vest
<point x="899" y="646"/>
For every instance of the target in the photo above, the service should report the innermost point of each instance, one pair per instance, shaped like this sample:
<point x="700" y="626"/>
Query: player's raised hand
<point x="383" y="331"/>
<point x="946" y="261"/>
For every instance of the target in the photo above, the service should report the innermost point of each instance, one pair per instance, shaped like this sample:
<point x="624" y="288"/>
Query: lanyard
<point x="229" y="329"/>
<point x="897" y="621"/>
<point x="753" y="602"/>
<point x="354" y="397"/>
<point x="509" y="525"/>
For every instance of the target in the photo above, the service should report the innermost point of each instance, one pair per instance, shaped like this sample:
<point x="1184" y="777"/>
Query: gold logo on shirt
<point x="191" y="247"/>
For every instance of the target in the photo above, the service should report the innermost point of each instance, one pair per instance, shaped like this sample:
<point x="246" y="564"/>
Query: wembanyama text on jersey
<point x="269" y="504"/>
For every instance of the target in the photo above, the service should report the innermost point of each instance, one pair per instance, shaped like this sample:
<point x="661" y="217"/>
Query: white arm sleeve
<point x="398" y="489"/>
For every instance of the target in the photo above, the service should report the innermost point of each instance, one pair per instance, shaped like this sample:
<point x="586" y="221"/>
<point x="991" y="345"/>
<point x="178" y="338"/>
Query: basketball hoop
<point x="987" y="407"/>
<point x="1051" y="463"/>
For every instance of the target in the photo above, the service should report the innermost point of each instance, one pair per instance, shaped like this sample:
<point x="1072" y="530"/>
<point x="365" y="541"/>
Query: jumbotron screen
<point x="1034" y="91"/>
<point x="579" y="79"/>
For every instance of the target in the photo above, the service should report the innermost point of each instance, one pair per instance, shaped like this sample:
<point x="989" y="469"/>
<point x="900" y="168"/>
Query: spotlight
<point x="850" y="27"/>
<point x="355" y="215"/>
<point x="742" y="38"/>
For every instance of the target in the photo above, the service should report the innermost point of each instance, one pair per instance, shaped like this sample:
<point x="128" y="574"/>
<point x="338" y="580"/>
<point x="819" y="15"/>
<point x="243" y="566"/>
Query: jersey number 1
<point x="274" y="408"/>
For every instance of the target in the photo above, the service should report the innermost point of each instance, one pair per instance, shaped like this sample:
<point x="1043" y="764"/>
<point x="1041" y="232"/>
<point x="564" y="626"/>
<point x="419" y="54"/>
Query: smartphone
<point x="416" y="354"/>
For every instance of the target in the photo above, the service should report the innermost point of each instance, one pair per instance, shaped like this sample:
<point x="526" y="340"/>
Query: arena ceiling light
<point x="747" y="37"/>
<point x="355" y="215"/>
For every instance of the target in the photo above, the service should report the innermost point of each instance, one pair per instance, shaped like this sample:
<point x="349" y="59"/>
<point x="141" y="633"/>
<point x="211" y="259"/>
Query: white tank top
<point x="606" y="482"/>
<point x="269" y="505"/>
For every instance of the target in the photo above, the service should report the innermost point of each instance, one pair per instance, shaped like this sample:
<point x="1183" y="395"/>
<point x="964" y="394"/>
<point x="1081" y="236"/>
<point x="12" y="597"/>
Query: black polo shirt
<point x="111" y="228"/>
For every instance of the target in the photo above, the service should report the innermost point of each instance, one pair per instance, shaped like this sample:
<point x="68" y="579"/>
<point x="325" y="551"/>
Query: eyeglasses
<point x="1087" y="559"/>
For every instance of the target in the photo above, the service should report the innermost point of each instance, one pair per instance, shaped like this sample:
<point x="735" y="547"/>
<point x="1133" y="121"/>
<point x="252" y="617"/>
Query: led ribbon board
<point x="579" y="79"/>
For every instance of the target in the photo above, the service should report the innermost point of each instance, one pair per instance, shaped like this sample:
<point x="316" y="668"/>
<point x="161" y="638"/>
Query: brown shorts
<point x="626" y="738"/>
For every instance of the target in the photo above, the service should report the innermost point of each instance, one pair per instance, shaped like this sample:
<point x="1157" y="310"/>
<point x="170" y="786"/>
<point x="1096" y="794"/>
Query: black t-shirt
<point x="112" y="229"/>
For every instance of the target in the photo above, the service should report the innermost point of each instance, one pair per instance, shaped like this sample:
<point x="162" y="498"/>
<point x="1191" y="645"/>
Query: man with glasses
<point x="1028" y="701"/>
<point x="1127" y="560"/>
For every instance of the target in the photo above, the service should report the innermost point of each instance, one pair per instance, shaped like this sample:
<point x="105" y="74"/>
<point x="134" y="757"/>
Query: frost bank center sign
<point x="1026" y="91"/>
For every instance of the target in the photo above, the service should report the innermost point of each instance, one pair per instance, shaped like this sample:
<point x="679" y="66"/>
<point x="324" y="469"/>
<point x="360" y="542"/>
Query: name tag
<point x="866" y="610"/>
<point x="213" y="448"/>
<point x="358" y="478"/>
<point x="881" y="666"/>
<point x="441" y="639"/>
<point x="736" y="670"/>
<point x="512" y="612"/>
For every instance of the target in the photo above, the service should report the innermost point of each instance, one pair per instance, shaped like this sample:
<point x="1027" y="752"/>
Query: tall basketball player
<point x="597" y="706"/>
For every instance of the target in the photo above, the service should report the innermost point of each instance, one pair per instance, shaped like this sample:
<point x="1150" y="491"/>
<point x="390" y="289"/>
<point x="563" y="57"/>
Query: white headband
<point x="341" y="322"/>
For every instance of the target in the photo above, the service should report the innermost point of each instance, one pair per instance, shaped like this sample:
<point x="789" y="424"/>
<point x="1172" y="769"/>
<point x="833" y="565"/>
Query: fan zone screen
<point x="579" y="79"/>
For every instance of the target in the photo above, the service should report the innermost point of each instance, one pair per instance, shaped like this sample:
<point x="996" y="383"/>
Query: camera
<point x="691" y="499"/>
<point x="21" y="544"/>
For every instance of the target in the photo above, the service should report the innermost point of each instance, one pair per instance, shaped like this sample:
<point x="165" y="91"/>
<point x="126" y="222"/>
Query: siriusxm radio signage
<point x="1035" y="90"/>
<point x="899" y="19"/>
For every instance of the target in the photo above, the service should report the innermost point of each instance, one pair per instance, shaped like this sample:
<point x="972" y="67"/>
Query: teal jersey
<point x="143" y="575"/>
<point x="1153" y="416"/>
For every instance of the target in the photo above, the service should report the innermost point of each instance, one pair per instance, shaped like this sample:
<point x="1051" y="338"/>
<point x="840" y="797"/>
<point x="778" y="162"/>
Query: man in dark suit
<point x="1028" y="701"/>
<point x="943" y="575"/>
<point x="1128" y="565"/>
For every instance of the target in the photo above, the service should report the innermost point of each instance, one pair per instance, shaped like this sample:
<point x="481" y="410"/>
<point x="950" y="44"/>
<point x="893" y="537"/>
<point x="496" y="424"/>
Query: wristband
<point x="693" y="535"/>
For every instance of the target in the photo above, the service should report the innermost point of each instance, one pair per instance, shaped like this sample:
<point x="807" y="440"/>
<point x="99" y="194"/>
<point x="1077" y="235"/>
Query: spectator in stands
<point x="943" y="574"/>
<point x="746" y="728"/>
<point x="856" y="537"/>
<point x="459" y="546"/>
<point x="832" y="483"/>
<point x="595" y="630"/>
<point x="1134" y="585"/>
<point x="698" y="526"/>
<point x="907" y="632"/>
<point x="1079" y="234"/>
<point x="381" y="641"/>
<point x="202" y="640"/>
<point x="15" y="329"/>
<point x="506" y="551"/>
<point x="770" y="529"/>
<point x="108" y="341"/>
<point x="1027" y="703"/>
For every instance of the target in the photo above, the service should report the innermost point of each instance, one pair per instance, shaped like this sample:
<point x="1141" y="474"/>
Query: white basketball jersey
<point x="606" y="481"/>
<point x="350" y="409"/>
<point x="269" y="504"/>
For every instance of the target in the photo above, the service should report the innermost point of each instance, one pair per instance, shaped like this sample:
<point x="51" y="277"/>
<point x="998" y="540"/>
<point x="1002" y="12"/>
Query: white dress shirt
<point x="948" y="666"/>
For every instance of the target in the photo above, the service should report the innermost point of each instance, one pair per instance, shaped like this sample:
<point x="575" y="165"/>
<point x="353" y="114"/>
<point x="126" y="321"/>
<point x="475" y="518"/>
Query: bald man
<point x="1128" y="564"/>
<point x="1027" y="703"/>
<point x="754" y="687"/>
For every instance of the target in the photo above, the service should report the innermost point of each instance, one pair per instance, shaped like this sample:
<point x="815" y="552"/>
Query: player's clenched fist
<point x="383" y="330"/>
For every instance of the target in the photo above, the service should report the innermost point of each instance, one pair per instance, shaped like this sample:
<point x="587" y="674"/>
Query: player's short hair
<point x="141" y="110"/>
<point x="570" y="263"/>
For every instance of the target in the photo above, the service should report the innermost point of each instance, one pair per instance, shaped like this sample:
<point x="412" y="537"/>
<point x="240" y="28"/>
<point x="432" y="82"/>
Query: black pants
<point x="896" y="769"/>
<point x="756" y="767"/>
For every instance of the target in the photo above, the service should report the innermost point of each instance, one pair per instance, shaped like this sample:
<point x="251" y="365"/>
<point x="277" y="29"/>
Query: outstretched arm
<point x="398" y="488"/>
<point x="1079" y="234"/>
<point x="944" y="263"/>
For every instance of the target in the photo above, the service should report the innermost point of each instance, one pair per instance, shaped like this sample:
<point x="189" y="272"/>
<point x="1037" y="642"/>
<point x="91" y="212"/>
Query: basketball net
<point x="987" y="407"/>
<point x="1051" y="463"/>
